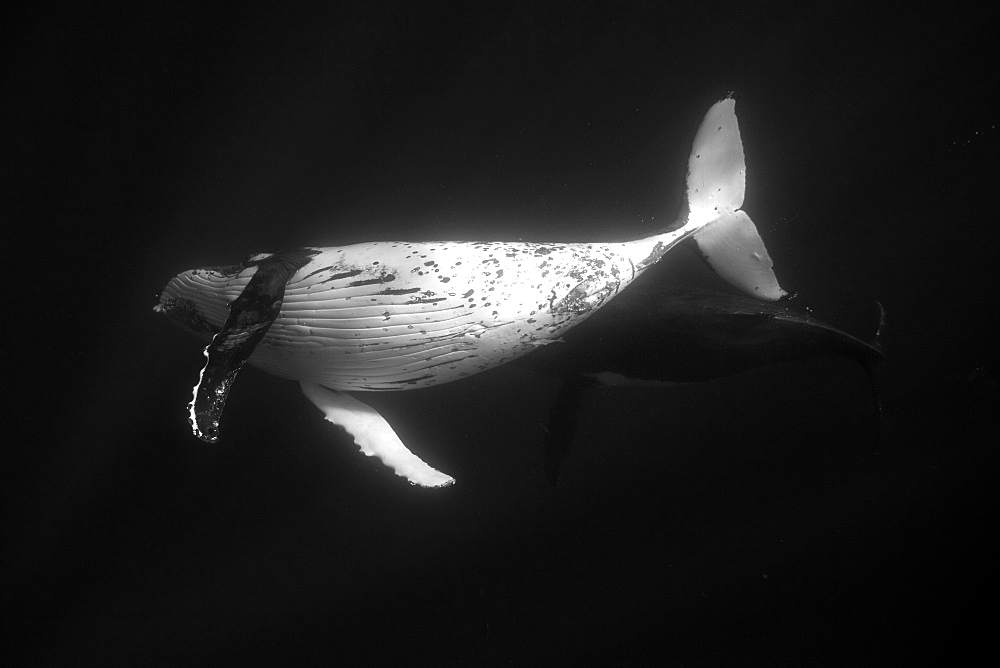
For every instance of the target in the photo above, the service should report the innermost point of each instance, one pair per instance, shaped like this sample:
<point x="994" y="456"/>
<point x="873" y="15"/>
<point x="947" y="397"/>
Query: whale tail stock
<point x="716" y="182"/>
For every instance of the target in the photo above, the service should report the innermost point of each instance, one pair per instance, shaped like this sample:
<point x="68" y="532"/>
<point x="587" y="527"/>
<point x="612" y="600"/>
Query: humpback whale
<point x="395" y="315"/>
<point x="689" y="335"/>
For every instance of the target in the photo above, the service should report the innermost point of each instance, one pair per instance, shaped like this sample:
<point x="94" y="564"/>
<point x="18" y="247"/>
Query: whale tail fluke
<point x="716" y="183"/>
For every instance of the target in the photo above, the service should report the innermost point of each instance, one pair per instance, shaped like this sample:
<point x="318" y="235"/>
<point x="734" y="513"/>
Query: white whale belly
<point x="400" y="315"/>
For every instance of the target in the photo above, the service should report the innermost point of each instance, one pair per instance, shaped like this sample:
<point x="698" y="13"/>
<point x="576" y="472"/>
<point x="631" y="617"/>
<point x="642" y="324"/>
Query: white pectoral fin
<point x="373" y="434"/>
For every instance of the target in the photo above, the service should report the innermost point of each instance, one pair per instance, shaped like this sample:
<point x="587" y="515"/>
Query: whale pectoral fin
<point x="561" y="427"/>
<point x="373" y="434"/>
<point x="250" y="316"/>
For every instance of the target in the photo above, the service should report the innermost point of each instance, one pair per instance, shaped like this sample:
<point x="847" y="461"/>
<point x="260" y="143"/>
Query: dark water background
<point x="747" y="521"/>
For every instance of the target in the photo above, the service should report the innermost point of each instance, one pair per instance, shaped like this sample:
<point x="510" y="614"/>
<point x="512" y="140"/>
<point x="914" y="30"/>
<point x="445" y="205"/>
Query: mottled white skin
<point x="402" y="315"/>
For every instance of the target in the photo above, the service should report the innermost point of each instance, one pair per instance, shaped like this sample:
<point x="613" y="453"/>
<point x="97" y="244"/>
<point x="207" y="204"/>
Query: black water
<point x="755" y="520"/>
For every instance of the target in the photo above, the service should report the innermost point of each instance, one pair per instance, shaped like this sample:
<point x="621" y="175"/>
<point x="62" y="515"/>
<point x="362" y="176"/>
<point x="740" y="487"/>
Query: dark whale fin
<point x="250" y="316"/>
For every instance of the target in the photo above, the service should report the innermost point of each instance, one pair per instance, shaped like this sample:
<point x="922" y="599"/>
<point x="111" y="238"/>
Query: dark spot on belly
<point x="373" y="281"/>
<point x="346" y="274"/>
<point x="411" y="381"/>
<point x="322" y="269"/>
